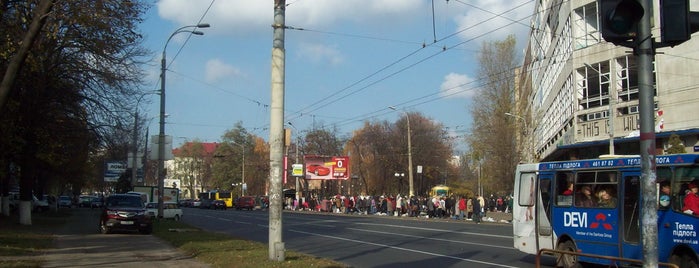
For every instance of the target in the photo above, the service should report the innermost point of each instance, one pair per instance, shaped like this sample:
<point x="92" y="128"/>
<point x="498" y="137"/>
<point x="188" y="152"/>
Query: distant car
<point x="65" y="201"/>
<point x="170" y="210"/>
<point x="185" y="203"/>
<point x="96" y="202"/>
<point x="318" y="170"/>
<point x="245" y="202"/>
<point x="218" y="204"/>
<point x="124" y="212"/>
<point x="196" y="203"/>
<point x="205" y="203"/>
<point x="86" y="201"/>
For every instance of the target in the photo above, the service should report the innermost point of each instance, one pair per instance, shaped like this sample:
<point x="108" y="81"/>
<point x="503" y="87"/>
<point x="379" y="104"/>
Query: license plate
<point x="127" y="222"/>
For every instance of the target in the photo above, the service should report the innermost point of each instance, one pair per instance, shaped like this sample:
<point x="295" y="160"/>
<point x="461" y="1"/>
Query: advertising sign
<point x="327" y="167"/>
<point x="113" y="170"/>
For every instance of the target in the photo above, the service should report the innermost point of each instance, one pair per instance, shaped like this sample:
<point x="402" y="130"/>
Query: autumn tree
<point x="380" y="149"/>
<point x="492" y="138"/>
<point x="241" y="152"/>
<point x="73" y="88"/>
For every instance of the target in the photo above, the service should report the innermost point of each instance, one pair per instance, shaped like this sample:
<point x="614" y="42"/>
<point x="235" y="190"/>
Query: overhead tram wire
<point x="424" y="59"/>
<point x="189" y="36"/>
<point x="337" y="98"/>
<point x="302" y="113"/>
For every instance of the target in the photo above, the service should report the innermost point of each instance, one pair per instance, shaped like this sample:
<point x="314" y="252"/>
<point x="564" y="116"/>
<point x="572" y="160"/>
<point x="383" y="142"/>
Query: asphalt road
<point x="377" y="241"/>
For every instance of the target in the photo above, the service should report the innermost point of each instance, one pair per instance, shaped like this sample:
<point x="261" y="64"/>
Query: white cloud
<point x="256" y="16"/>
<point x="217" y="69"/>
<point x="494" y="19"/>
<point x="320" y="54"/>
<point x="457" y="86"/>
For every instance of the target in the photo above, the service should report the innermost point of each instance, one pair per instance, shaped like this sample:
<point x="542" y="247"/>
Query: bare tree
<point x="493" y="140"/>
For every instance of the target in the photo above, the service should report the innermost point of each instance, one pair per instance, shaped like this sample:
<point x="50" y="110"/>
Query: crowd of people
<point x="456" y="207"/>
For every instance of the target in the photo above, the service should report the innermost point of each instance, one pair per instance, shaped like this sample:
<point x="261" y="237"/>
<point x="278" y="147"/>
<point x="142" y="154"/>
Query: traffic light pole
<point x="645" y="52"/>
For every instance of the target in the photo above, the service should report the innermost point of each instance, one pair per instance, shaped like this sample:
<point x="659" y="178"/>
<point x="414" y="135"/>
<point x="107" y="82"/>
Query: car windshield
<point x="124" y="201"/>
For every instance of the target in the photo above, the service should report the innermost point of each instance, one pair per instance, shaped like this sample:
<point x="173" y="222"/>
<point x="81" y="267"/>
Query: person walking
<point x="476" y="210"/>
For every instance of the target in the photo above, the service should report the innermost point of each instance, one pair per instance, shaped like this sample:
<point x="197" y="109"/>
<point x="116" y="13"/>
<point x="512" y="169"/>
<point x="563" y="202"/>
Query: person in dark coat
<point x="476" y="210"/>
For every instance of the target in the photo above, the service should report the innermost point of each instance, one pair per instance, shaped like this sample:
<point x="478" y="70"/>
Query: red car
<point x="245" y="202"/>
<point x="318" y="170"/>
<point x="124" y="212"/>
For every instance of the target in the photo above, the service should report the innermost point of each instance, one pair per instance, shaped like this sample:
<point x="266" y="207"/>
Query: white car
<point x="170" y="210"/>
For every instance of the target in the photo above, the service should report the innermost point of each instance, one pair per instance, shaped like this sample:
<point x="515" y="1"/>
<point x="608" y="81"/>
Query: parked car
<point x="196" y="203"/>
<point x="218" y="204"/>
<point x="124" y="212"/>
<point x="96" y="202"/>
<point x="85" y="201"/>
<point x="245" y="202"/>
<point x="170" y="210"/>
<point x="37" y="204"/>
<point x="65" y="201"/>
<point x="185" y="202"/>
<point x="205" y="203"/>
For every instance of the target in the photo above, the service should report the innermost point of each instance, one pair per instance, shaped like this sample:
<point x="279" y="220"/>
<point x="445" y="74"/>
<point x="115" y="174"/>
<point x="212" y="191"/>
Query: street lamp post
<point x="161" y="133"/>
<point x="410" y="153"/>
<point x="526" y="136"/>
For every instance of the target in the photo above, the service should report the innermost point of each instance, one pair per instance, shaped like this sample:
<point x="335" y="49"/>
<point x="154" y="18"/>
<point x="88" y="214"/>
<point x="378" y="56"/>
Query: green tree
<point x="676" y="145"/>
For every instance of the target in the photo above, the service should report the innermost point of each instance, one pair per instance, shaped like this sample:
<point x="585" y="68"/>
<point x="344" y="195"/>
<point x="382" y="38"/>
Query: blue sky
<point x="346" y="62"/>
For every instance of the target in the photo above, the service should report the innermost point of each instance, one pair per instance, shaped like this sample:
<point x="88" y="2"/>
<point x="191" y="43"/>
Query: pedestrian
<point x="469" y="208"/>
<point x="477" y="209"/>
<point x="461" y="207"/>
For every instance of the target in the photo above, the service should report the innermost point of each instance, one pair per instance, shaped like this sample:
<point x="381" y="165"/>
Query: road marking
<point x="430" y="238"/>
<point x="434" y="230"/>
<point x="405" y="249"/>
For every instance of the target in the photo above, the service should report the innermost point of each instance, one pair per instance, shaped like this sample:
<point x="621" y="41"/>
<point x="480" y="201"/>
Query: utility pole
<point x="276" y="135"/>
<point x="645" y="52"/>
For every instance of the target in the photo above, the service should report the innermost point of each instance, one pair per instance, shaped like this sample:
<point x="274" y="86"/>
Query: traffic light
<point x="677" y="23"/>
<point x="619" y="20"/>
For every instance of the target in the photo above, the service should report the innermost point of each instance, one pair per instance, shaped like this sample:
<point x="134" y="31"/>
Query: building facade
<point x="580" y="93"/>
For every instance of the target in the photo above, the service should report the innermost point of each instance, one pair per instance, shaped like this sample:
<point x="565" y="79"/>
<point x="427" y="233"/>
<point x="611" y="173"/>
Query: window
<point x="564" y="188"/>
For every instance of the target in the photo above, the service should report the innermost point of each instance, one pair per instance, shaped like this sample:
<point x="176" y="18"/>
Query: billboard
<point x="113" y="170"/>
<point x="326" y="167"/>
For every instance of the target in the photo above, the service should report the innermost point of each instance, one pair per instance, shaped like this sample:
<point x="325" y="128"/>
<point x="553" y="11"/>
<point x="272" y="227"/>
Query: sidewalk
<point x="79" y="244"/>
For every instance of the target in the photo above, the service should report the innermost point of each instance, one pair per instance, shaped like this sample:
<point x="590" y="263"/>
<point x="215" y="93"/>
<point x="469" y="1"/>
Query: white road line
<point x="430" y="238"/>
<point x="406" y="249"/>
<point x="434" y="230"/>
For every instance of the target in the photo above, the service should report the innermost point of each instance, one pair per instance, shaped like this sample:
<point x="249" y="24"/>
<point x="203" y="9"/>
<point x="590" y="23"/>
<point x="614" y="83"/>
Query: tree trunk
<point x="17" y="60"/>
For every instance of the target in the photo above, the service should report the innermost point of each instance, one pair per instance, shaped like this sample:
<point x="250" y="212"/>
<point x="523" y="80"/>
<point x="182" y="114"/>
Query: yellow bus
<point x="440" y="190"/>
<point x="225" y="196"/>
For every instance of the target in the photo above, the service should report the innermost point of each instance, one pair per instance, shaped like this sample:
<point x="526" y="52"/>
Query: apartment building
<point x="580" y="93"/>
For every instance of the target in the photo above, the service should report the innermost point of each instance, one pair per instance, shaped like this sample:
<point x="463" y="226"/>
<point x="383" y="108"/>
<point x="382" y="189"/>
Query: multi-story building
<point x="580" y="93"/>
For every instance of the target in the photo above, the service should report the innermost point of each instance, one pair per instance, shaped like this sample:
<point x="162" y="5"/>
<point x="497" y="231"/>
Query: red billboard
<point x="326" y="167"/>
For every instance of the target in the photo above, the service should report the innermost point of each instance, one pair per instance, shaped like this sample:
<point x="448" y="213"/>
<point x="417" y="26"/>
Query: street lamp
<point x="410" y="152"/>
<point x="526" y="136"/>
<point x="161" y="133"/>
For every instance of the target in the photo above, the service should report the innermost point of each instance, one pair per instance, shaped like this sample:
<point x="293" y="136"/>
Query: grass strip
<point x="220" y="250"/>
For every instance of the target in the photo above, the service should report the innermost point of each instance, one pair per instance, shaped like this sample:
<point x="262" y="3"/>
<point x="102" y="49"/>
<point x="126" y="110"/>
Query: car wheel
<point x="567" y="260"/>
<point x="177" y="217"/>
<point x="104" y="229"/>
